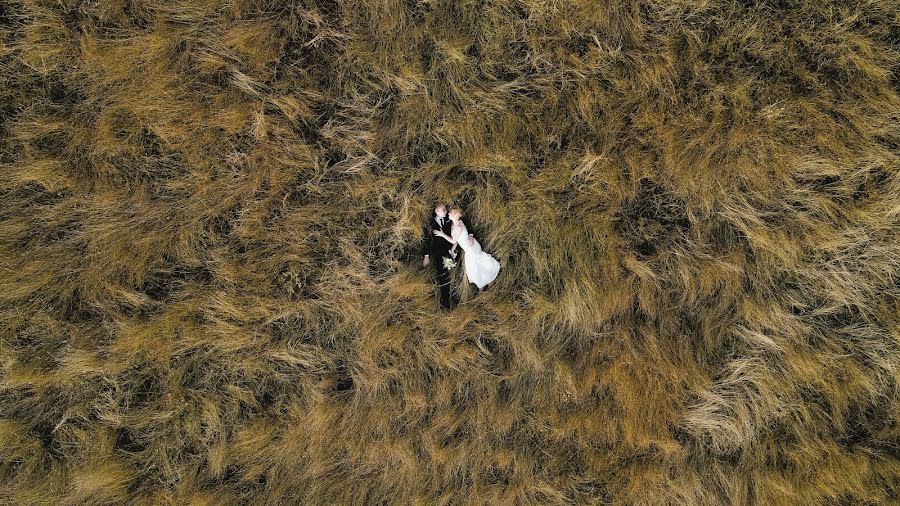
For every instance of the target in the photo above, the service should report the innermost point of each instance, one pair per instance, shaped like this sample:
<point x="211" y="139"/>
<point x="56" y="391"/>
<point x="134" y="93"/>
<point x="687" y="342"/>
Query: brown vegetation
<point x="211" y="291"/>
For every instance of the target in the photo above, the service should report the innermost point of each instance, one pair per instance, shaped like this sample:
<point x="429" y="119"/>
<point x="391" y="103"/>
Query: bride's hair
<point x="457" y="210"/>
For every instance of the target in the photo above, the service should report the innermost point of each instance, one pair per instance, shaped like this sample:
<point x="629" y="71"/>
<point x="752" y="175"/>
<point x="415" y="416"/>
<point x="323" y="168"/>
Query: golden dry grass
<point x="211" y="291"/>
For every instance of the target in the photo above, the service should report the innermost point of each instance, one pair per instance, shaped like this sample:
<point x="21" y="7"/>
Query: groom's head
<point x="440" y="210"/>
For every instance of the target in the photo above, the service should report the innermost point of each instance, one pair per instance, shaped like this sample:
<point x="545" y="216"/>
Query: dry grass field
<point x="211" y="291"/>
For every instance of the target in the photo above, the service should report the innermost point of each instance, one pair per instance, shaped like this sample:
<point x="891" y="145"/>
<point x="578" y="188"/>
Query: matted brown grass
<point x="210" y="289"/>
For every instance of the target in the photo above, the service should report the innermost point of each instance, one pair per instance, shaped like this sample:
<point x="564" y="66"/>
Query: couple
<point x="446" y="232"/>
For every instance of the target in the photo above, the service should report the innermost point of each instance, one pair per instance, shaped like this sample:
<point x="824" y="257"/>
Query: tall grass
<point x="211" y="292"/>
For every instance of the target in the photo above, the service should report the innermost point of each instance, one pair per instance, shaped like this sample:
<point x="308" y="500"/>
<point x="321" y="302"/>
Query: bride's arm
<point x="463" y="234"/>
<point x="449" y="239"/>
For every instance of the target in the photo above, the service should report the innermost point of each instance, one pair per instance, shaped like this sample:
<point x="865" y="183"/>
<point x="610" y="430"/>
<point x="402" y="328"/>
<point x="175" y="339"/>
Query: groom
<point x="435" y="248"/>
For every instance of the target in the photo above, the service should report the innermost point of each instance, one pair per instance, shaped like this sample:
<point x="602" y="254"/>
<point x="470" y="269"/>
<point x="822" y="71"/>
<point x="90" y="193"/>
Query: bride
<point x="481" y="267"/>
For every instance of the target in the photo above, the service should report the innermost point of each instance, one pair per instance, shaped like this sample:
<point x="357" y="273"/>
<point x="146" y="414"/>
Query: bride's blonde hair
<point x="457" y="210"/>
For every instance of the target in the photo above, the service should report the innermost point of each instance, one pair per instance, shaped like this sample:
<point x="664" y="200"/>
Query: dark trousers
<point x="443" y="281"/>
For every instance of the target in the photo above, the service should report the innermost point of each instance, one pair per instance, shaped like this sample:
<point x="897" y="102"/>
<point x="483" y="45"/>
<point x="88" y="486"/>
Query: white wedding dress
<point x="481" y="267"/>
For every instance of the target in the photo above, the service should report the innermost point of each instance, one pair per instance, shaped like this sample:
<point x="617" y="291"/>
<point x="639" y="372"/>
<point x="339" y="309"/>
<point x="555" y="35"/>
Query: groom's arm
<point x="426" y="245"/>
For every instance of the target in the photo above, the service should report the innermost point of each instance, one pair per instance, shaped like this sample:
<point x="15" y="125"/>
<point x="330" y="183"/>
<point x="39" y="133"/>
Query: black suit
<point x="437" y="248"/>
